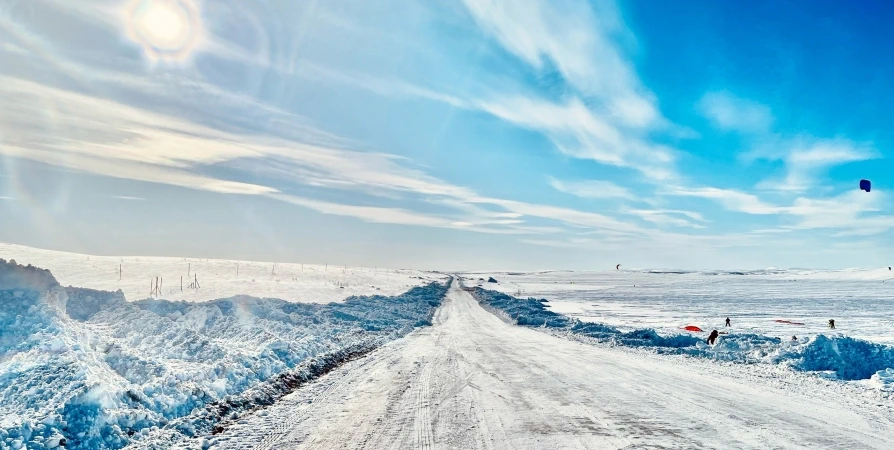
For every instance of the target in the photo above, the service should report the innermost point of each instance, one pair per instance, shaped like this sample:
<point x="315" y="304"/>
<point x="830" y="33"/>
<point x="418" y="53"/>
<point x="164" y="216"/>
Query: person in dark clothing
<point x="832" y="323"/>
<point x="713" y="337"/>
<point x="727" y="322"/>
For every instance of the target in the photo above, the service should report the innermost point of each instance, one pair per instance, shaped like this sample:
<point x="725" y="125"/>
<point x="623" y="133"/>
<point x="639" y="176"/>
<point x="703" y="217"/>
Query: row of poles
<point x="155" y="285"/>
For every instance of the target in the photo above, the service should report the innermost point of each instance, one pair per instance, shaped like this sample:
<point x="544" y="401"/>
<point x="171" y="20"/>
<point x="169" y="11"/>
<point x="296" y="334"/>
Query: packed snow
<point x="90" y="369"/>
<point x="311" y="283"/>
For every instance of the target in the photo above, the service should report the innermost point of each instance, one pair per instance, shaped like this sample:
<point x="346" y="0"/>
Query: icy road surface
<point x="473" y="381"/>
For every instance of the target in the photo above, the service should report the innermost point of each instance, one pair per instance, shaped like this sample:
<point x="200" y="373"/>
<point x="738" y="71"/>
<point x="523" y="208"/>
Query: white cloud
<point x="807" y="159"/>
<point x="121" y="141"/>
<point x="566" y="215"/>
<point x="578" y="41"/>
<point x="580" y="133"/>
<point x="368" y="213"/>
<point x="592" y="189"/>
<point x="666" y="217"/>
<point x="729" y="112"/>
<point x="389" y="87"/>
<point x="12" y="48"/>
<point x="575" y="129"/>
<point x="605" y="118"/>
<point x="125" y="197"/>
<point x="731" y="199"/>
<point x="132" y="170"/>
<point x="845" y="211"/>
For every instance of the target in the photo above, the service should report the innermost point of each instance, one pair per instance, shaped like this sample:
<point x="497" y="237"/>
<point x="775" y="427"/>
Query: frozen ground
<point x="90" y="369"/>
<point x="473" y="381"/>
<point x="218" y="278"/>
<point x="860" y="301"/>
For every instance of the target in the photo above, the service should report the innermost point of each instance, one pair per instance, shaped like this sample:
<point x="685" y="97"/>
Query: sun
<point x="166" y="29"/>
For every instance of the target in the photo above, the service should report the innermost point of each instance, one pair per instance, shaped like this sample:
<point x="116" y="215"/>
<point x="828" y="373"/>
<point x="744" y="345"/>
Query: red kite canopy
<point x="692" y="328"/>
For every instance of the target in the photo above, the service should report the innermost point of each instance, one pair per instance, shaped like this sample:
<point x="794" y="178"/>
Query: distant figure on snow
<point x="713" y="337"/>
<point x="727" y="322"/>
<point x="832" y="323"/>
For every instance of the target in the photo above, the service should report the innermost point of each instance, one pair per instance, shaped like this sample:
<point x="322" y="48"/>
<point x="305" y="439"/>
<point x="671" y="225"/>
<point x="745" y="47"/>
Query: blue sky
<point x="517" y="134"/>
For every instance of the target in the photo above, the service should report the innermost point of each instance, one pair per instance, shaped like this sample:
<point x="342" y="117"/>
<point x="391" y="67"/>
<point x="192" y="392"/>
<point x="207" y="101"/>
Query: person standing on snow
<point x="832" y="323"/>
<point x="727" y="322"/>
<point x="713" y="337"/>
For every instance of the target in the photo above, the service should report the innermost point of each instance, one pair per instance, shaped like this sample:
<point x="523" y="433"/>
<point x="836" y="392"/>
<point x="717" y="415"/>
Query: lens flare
<point x="166" y="29"/>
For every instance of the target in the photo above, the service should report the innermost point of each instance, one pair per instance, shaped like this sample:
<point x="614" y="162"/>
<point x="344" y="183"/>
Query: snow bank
<point x="848" y="358"/>
<point x="845" y="357"/>
<point x="88" y="369"/>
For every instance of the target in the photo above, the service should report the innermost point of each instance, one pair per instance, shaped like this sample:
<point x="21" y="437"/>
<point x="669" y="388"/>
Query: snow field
<point x="860" y="301"/>
<point x="839" y="357"/>
<point x="311" y="283"/>
<point x="98" y="371"/>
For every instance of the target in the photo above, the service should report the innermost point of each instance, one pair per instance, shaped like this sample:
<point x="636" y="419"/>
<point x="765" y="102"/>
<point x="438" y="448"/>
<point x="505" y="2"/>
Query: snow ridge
<point x="839" y="356"/>
<point x="87" y="369"/>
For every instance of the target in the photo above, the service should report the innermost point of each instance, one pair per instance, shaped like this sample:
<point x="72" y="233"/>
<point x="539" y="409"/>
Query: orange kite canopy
<point x="692" y="328"/>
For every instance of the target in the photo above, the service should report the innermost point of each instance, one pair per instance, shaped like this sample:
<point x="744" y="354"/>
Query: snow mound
<point x="845" y="357"/>
<point x="92" y="370"/>
<point x="883" y="379"/>
<point x="848" y="358"/>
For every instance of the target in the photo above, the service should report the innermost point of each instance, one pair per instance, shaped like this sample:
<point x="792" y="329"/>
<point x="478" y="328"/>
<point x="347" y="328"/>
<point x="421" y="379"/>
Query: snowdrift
<point x="87" y="369"/>
<point x="847" y="358"/>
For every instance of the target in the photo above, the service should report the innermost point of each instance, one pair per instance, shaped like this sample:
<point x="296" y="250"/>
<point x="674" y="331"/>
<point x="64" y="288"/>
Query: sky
<point x="451" y="134"/>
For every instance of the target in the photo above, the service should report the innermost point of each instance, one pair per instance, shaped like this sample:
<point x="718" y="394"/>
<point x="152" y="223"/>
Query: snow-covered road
<point x="473" y="381"/>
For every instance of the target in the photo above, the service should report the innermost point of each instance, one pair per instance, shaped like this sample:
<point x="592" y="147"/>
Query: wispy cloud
<point x="569" y="216"/>
<point x="808" y="159"/>
<point x="592" y="189"/>
<point x="728" y="112"/>
<point x="731" y="199"/>
<point x="115" y="140"/>
<point x="846" y="211"/>
<point x="605" y="116"/>
<point x="669" y="217"/>
<point x="12" y="48"/>
<point x="578" y="132"/>
<point x="575" y="129"/>
<point x="368" y="213"/>
<point x="125" y="197"/>
<point x="125" y="142"/>
<point x="579" y="42"/>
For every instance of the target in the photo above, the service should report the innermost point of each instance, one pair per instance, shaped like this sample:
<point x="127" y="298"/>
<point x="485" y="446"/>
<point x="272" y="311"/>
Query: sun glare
<point x="167" y="29"/>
